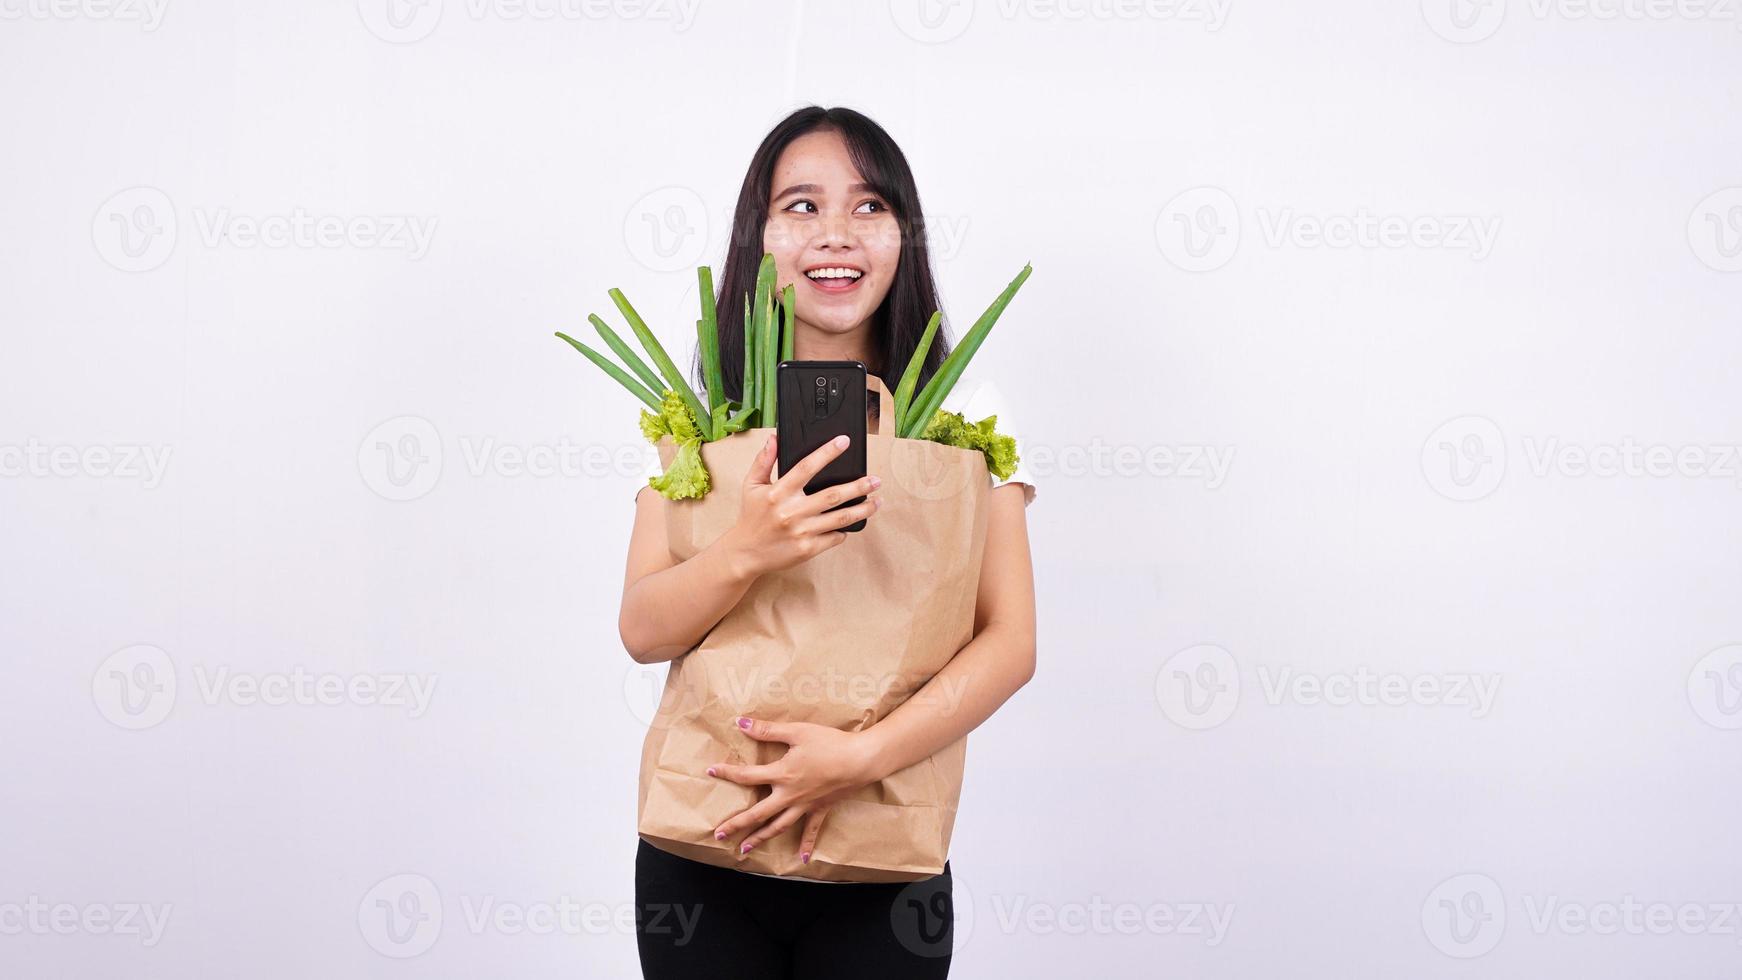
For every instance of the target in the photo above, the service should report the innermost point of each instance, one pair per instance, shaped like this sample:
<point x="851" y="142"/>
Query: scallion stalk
<point x="933" y="396"/>
<point x="708" y="342"/>
<point x="910" y="377"/>
<point x="655" y="351"/>
<point x="627" y="353"/>
<point x="622" y="376"/>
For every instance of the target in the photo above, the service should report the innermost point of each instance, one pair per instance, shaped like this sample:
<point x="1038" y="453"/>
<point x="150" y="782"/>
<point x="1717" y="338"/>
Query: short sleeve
<point x="977" y="400"/>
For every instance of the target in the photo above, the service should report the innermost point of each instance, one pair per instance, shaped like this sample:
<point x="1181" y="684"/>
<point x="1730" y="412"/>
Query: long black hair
<point x="901" y="318"/>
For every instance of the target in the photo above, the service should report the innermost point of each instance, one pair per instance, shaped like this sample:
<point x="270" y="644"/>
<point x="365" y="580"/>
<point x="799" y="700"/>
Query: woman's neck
<point x="811" y="344"/>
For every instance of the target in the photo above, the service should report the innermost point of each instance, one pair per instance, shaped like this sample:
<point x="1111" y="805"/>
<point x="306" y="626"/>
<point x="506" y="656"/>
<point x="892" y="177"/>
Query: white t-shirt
<point x="975" y="399"/>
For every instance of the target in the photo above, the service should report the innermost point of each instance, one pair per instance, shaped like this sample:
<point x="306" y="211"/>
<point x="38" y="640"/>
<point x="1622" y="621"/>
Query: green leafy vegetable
<point x="951" y="429"/>
<point x="686" y="478"/>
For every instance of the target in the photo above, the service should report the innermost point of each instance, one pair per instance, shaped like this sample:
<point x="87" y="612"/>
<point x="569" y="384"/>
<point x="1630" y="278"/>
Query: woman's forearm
<point x="666" y="613"/>
<point x="976" y="681"/>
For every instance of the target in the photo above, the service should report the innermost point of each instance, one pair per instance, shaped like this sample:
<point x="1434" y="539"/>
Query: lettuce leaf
<point x="951" y="429"/>
<point x="686" y="478"/>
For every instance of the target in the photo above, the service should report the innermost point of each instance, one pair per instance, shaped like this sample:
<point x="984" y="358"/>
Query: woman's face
<point x="832" y="237"/>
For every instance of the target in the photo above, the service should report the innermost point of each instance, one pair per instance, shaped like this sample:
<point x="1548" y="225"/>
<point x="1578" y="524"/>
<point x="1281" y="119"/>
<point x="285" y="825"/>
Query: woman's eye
<point x="871" y="207"/>
<point x="802" y="204"/>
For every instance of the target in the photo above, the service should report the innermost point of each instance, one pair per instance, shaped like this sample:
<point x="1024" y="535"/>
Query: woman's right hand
<point x="779" y="525"/>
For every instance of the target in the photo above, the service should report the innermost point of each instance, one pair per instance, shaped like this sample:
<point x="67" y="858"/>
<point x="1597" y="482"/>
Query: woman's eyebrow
<point x="813" y="189"/>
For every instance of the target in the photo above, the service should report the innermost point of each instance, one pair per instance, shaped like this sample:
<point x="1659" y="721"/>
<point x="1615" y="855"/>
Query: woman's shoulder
<point x="978" y="397"/>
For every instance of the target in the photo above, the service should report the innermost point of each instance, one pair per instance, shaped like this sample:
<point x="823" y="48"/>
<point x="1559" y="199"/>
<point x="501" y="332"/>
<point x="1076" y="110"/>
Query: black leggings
<point x="698" y="922"/>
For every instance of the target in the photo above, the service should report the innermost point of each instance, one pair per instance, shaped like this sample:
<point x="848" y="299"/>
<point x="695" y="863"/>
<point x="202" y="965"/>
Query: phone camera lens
<point x="821" y="382"/>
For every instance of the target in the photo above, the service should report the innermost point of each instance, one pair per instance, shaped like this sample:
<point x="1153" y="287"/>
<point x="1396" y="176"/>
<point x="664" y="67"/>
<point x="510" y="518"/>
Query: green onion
<point x="614" y="371"/>
<point x="748" y="394"/>
<point x="655" y="351"/>
<point x="788" y="302"/>
<point x="766" y="344"/>
<point x="910" y="377"/>
<point x="932" y="397"/>
<point x="627" y="353"/>
<point x="708" y="342"/>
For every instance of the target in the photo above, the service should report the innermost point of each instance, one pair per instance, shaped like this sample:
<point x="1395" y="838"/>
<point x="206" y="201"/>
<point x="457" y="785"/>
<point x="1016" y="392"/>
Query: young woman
<point x="830" y="195"/>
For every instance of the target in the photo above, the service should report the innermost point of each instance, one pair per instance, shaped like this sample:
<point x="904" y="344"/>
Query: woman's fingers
<point x="813" y="825"/>
<point x="742" y="774"/>
<point x="816" y="503"/>
<point x="755" y="816"/>
<point x="773" y="829"/>
<point x="834" y="520"/>
<point x="762" y="467"/>
<point x="802" y="471"/>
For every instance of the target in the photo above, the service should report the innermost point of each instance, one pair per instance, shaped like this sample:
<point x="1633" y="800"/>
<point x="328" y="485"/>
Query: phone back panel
<point x="820" y="400"/>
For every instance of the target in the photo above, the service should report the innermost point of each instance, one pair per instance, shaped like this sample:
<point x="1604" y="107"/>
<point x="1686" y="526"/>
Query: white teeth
<point x="834" y="273"/>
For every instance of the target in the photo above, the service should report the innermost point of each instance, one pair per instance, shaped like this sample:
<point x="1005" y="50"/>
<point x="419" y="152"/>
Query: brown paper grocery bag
<point x="839" y="640"/>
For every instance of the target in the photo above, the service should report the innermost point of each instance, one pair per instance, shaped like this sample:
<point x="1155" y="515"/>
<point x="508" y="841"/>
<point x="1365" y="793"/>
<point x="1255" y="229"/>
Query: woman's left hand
<point x="821" y="765"/>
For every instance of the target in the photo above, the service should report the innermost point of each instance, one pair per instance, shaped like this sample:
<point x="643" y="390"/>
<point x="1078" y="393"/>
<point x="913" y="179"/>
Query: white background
<point x="1410" y="425"/>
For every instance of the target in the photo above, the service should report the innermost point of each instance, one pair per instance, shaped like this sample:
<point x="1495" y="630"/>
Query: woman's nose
<point x="836" y="230"/>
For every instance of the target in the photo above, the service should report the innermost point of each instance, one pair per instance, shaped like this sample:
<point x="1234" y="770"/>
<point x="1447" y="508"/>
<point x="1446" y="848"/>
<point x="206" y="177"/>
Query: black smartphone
<point x="819" y="400"/>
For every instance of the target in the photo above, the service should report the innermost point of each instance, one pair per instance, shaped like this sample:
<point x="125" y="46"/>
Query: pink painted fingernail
<point x="746" y="848"/>
<point x="744" y="723"/>
<point x="876" y="482"/>
<point x="842" y="441"/>
<point x="711" y="771"/>
<point x="805" y="858"/>
<point x="719" y="835"/>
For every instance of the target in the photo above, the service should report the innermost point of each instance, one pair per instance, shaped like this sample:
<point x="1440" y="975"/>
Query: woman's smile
<point x="834" y="279"/>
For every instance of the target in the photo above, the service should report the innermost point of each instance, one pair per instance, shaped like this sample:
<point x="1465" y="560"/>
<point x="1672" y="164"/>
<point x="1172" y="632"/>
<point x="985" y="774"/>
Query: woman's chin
<point x="838" y="324"/>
